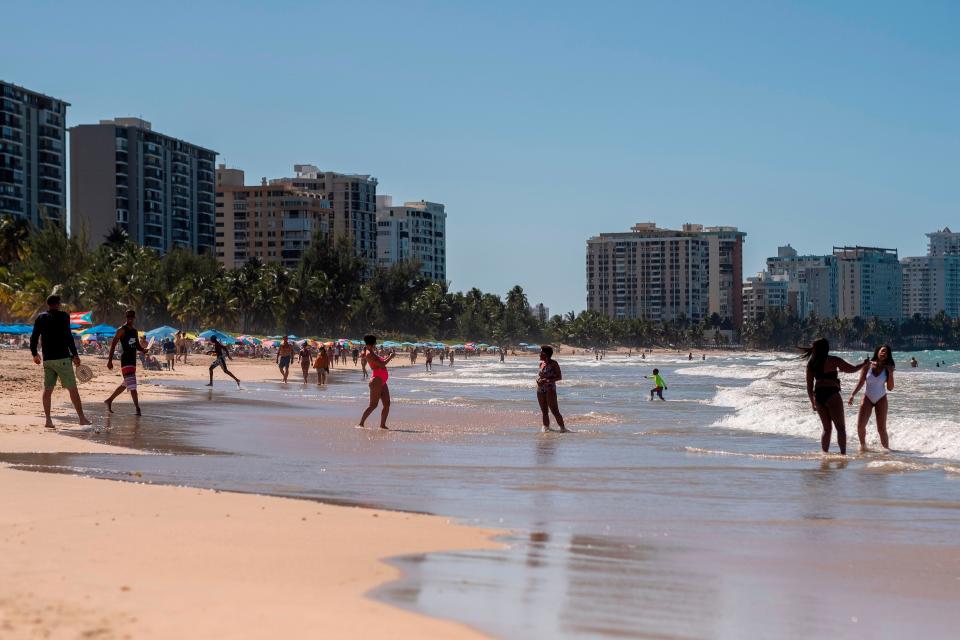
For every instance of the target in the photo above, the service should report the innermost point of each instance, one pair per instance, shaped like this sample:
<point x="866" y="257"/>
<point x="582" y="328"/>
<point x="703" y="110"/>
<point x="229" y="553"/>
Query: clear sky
<point x="540" y="124"/>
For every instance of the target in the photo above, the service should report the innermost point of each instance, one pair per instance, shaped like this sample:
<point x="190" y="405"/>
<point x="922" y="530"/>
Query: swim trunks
<point x="61" y="368"/>
<point x="129" y="374"/>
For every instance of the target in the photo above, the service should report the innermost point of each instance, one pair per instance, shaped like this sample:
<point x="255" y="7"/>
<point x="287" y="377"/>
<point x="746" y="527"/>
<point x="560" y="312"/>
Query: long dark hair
<point x="876" y="355"/>
<point x="816" y="354"/>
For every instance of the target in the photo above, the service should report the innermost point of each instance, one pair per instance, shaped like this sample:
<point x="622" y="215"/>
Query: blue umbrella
<point x="222" y="337"/>
<point x="100" y="330"/>
<point x="16" y="329"/>
<point x="160" y="333"/>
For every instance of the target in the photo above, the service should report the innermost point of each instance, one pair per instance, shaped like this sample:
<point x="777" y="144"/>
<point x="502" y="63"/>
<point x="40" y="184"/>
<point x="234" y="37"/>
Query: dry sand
<point x="85" y="558"/>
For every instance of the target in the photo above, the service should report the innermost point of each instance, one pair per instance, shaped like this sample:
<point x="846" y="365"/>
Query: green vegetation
<point x="325" y="295"/>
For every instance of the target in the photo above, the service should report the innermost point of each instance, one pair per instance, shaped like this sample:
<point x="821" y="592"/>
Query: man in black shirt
<point x="129" y="341"/>
<point x="52" y="330"/>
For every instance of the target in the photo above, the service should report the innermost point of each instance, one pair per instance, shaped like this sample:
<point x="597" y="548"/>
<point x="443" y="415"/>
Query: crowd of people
<point x="53" y="339"/>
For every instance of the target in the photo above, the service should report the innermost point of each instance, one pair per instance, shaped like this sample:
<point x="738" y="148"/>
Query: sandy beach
<point x="90" y="558"/>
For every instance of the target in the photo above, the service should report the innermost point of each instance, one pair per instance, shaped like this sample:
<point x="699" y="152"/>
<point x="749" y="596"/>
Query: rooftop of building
<point x="859" y="250"/>
<point x="32" y="92"/>
<point x="313" y="172"/>
<point x="651" y="230"/>
<point x="143" y="125"/>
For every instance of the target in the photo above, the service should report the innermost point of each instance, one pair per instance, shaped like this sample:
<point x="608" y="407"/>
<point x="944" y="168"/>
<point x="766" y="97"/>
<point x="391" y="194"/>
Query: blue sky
<point x="541" y="124"/>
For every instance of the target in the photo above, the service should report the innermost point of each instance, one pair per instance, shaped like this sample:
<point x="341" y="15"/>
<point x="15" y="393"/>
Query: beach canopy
<point x="224" y="338"/>
<point x="16" y="329"/>
<point x="249" y="340"/>
<point x="160" y="333"/>
<point x="100" y="330"/>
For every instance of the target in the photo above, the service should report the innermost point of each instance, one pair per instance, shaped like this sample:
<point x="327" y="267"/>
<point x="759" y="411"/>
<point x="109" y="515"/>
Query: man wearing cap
<point x="52" y="330"/>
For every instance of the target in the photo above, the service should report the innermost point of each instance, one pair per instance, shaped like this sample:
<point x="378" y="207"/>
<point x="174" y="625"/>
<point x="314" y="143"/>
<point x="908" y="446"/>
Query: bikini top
<point x="829" y="375"/>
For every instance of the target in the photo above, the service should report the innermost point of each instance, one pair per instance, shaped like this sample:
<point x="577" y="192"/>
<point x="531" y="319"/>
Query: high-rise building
<point x="541" y="312"/>
<point x="354" y="202"/>
<point x="271" y="222"/>
<point x="414" y="231"/>
<point x="869" y="282"/>
<point x="943" y="242"/>
<point x="661" y="274"/>
<point x="931" y="283"/>
<point x="159" y="189"/>
<point x="33" y="161"/>
<point x="765" y="292"/>
<point x="813" y="277"/>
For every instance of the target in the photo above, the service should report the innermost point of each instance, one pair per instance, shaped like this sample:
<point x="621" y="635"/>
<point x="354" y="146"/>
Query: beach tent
<point x="104" y="330"/>
<point x="160" y="333"/>
<point x="16" y="329"/>
<point x="224" y="338"/>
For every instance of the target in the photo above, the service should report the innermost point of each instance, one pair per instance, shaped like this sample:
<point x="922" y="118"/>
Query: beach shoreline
<point x="82" y="557"/>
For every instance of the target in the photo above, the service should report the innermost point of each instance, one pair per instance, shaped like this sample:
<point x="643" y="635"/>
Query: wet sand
<point x="81" y="557"/>
<point x="646" y="522"/>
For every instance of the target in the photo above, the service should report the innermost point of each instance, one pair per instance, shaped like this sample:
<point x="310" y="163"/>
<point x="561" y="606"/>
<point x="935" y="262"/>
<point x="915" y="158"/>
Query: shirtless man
<point x="284" y="356"/>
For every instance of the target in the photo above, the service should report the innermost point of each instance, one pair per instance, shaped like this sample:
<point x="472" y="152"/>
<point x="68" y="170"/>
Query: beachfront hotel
<point x="33" y="171"/>
<point x="414" y="231"/>
<point x="661" y="274"/>
<point x="274" y="223"/>
<point x="931" y="283"/>
<point x="353" y="198"/>
<point x="159" y="189"/>
<point x="813" y="278"/>
<point x="767" y="291"/>
<point x="869" y="283"/>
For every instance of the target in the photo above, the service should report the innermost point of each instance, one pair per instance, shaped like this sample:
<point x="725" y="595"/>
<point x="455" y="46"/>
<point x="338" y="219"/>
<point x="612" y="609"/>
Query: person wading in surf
<point x="878" y="377"/>
<point x="547" y="379"/>
<point x="379" y="392"/>
<point x="823" y="389"/>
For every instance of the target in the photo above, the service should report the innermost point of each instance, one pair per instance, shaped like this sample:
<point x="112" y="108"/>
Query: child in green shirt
<point x="657" y="380"/>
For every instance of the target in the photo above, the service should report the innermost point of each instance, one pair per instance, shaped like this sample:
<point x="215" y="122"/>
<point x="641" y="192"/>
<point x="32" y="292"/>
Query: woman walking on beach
<point x="322" y="365"/>
<point x="878" y="378"/>
<point x="379" y="392"/>
<point x="823" y="389"/>
<point x="547" y="379"/>
<point x="304" y="357"/>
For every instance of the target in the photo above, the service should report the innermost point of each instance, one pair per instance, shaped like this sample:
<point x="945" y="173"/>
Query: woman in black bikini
<point x="823" y="388"/>
<point x="547" y="380"/>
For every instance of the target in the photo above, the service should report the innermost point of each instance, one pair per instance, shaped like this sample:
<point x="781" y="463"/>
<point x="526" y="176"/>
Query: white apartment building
<point x="413" y="231"/>
<point x="813" y="278"/>
<point x="943" y="242"/>
<point x="767" y="291"/>
<point x="661" y="274"/>
<point x="931" y="283"/>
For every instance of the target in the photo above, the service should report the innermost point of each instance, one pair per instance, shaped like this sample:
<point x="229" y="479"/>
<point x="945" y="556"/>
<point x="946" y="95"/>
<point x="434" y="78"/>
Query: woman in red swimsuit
<point x="379" y="392"/>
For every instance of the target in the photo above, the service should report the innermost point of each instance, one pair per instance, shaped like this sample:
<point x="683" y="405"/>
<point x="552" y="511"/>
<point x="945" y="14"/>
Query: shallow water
<point x="712" y="514"/>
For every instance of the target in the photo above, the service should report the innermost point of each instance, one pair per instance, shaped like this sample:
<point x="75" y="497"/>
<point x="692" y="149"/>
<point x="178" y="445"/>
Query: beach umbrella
<point x="16" y="329"/>
<point x="89" y="338"/>
<point x="160" y="333"/>
<point x="100" y="330"/>
<point x="224" y="338"/>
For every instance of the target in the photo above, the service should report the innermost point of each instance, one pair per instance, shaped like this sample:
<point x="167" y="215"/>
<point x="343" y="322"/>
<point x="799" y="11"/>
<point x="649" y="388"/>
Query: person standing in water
<point x="823" y="389"/>
<point x="304" y="358"/>
<point x="51" y="331"/>
<point x="130" y="344"/>
<point x="878" y="378"/>
<point x="379" y="392"/>
<point x="548" y="376"/>
<point x="284" y="356"/>
<point x="322" y="365"/>
<point x="428" y="360"/>
<point x="220" y="354"/>
<point x="659" y="385"/>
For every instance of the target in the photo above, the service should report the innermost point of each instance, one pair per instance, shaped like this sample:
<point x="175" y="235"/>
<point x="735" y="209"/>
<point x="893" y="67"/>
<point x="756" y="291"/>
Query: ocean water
<point x="712" y="514"/>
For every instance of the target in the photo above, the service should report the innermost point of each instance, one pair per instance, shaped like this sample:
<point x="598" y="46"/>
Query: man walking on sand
<point x="284" y="356"/>
<point x="52" y="330"/>
<point x="129" y="340"/>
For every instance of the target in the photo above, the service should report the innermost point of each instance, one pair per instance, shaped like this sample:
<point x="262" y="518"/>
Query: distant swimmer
<point x="284" y="356"/>
<point x="823" y="389"/>
<point x="878" y="377"/>
<point x="129" y="341"/>
<point x="913" y="362"/>
<point x="659" y="385"/>
<point x="303" y="357"/>
<point x="379" y="392"/>
<point x="547" y="379"/>
<point x="220" y="354"/>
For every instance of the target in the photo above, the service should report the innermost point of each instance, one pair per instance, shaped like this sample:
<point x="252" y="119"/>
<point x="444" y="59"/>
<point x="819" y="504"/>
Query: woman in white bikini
<point x="878" y="378"/>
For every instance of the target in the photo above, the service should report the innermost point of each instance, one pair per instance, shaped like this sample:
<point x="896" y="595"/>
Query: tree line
<point x="327" y="294"/>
